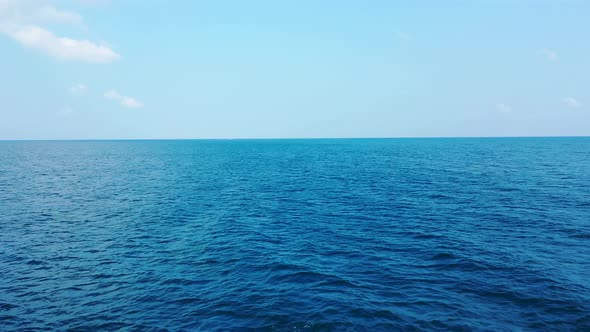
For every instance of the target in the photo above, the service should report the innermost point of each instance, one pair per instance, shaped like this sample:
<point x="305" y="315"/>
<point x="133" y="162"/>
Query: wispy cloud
<point x="22" y="21"/>
<point x="126" y="101"/>
<point x="549" y="54"/>
<point x="50" y="14"/>
<point x="78" y="89"/>
<point x="572" y="102"/>
<point x="61" y="47"/>
<point x="503" y="108"/>
<point x="93" y="2"/>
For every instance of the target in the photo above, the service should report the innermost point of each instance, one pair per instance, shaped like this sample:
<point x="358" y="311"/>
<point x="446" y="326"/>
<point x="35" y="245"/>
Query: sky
<point x="148" y="69"/>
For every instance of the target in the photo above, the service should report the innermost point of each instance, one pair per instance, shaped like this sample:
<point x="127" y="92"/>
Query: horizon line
<point x="279" y="138"/>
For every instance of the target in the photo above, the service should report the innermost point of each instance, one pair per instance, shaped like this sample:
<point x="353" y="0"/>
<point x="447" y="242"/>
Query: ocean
<point x="489" y="234"/>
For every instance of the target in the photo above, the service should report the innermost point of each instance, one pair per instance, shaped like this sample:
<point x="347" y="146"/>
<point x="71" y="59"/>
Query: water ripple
<point x="296" y="235"/>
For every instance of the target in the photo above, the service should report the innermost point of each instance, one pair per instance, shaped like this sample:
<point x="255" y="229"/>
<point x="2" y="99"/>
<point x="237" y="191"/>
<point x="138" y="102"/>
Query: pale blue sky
<point x="293" y="68"/>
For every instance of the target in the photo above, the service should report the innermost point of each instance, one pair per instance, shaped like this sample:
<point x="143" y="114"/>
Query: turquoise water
<point x="296" y="235"/>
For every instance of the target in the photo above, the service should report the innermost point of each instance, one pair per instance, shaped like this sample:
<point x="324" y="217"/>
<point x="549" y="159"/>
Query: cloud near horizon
<point x="126" y="101"/>
<point x="21" y="21"/>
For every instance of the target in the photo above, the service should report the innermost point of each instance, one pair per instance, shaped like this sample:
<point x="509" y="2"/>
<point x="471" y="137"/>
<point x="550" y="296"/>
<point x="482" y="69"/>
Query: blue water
<point x="296" y="235"/>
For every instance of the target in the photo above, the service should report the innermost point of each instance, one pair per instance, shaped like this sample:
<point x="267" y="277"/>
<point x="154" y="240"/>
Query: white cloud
<point x="123" y="100"/>
<point x="78" y="89"/>
<point x="52" y="15"/>
<point x="61" y="47"/>
<point x="22" y="21"/>
<point x="93" y="2"/>
<point x="572" y="102"/>
<point x="503" y="108"/>
<point x="549" y="54"/>
<point x="35" y="12"/>
<point x="7" y="6"/>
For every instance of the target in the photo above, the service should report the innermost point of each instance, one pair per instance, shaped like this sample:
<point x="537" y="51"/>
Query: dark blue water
<point x="296" y="235"/>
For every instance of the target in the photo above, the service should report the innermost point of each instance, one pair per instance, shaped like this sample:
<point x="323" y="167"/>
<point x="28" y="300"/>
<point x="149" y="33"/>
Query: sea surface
<point x="489" y="234"/>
